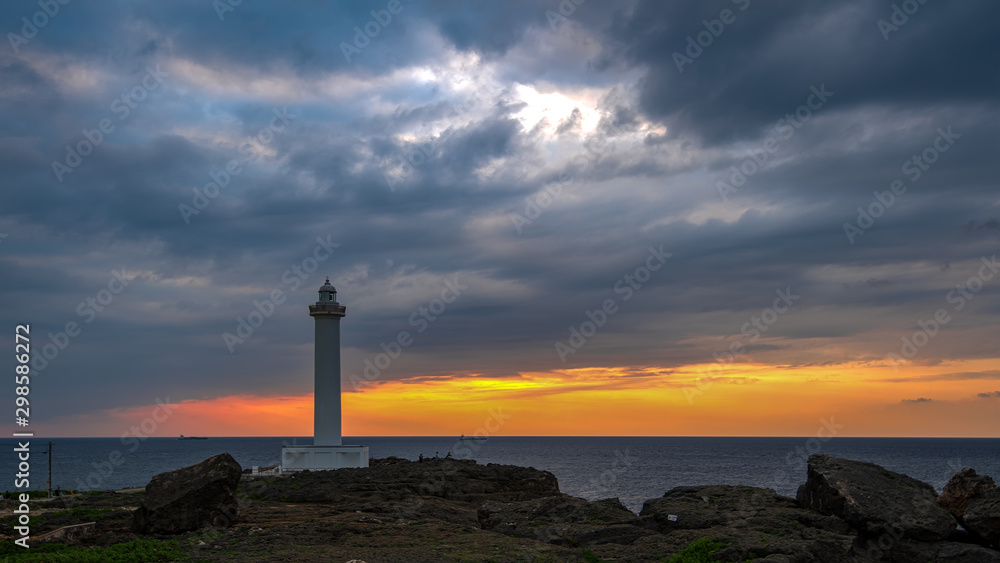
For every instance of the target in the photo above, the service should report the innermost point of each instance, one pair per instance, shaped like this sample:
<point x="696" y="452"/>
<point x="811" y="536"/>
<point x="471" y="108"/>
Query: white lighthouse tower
<point x="327" y="451"/>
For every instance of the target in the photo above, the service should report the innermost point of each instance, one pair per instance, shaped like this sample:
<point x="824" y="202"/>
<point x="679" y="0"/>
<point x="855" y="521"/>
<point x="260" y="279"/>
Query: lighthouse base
<point x="321" y="458"/>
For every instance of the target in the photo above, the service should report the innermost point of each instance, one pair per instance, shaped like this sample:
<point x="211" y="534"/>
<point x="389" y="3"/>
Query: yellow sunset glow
<point x="695" y="400"/>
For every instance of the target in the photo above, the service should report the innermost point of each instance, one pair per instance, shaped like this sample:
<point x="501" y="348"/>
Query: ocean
<point x="633" y="469"/>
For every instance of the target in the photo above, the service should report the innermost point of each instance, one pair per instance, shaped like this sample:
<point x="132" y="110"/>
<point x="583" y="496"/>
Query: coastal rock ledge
<point x="846" y="512"/>
<point x="459" y="510"/>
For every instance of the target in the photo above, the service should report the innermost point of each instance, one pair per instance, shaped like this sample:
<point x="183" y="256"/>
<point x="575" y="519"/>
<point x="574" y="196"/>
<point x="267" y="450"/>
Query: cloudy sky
<point x="619" y="217"/>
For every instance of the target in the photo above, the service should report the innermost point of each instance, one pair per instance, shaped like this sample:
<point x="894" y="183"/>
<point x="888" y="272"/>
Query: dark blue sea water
<point x="633" y="469"/>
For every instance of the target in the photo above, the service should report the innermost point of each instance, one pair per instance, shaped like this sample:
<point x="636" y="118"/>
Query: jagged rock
<point x="875" y="501"/>
<point x="752" y="520"/>
<point x="982" y="516"/>
<point x="907" y="551"/>
<point x="962" y="486"/>
<point x="563" y="520"/>
<point x="190" y="498"/>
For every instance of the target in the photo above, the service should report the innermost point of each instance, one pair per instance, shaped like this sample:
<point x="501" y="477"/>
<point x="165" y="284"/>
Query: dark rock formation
<point x="190" y="498"/>
<point x="446" y="489"/>
<point x="962" y="486"/>
<point x="846" y="512"/>
<point x="974" y="500"/>
<point x="908" y="551"/>
<point x="563" y="520"/>
<point x="982" y="516"/>
<point x="753" y="521"/>
<point x="877" y="502"/>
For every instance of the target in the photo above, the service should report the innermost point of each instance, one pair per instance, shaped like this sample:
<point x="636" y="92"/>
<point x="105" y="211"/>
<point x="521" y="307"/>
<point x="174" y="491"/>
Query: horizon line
<point x="526" y="436"/>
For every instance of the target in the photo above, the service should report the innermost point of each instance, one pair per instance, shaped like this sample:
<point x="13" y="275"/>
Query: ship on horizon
<point x="183" y="437"/>
<point x="464" y="437"/>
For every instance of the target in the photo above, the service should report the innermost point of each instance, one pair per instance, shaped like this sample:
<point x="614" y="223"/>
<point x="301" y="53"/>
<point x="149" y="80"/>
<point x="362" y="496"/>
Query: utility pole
<point x="48" y="484"/>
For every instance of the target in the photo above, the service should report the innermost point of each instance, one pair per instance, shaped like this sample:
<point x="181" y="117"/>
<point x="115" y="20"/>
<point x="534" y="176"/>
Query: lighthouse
<point x="327" y="451"/>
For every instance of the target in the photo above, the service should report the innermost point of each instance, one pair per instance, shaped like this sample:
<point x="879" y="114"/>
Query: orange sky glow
<point x="739" y="400"/>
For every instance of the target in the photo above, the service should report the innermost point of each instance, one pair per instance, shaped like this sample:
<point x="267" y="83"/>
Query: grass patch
<point x="698" y="551"/>
<point x="33" y="495"/>
<point x="135" y="551"/>
<point x="90" y="513"/>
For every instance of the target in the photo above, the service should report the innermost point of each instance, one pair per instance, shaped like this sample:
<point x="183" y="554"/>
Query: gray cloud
<point x="963" y="376"/>
<point x="642" y="173"/>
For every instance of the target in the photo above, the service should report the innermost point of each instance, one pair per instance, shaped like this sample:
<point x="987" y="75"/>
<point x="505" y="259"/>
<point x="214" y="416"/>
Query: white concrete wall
<point x="318" y="458"/>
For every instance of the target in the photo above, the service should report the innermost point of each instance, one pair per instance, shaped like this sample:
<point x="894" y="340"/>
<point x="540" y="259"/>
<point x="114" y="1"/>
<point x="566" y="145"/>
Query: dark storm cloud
<point x="336" y="172"/>
<point x="760" y="67"/>
<point x="490" y="28"/>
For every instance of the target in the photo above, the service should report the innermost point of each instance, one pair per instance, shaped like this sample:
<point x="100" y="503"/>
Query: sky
<point x="625" y="217"/>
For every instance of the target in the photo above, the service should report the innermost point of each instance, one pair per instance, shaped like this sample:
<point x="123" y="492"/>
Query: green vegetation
<point x="90" y="513"/>
<point x="10" y="521"/>
<point x="33" y="495"/>
<point x="699" y="551"/>
<point x="135" y="551"/>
